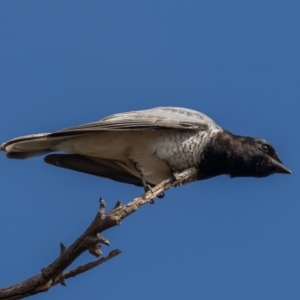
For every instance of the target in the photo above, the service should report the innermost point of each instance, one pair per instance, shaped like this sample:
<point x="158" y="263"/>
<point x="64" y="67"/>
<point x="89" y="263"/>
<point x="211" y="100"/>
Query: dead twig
<point x="89" y="241"/>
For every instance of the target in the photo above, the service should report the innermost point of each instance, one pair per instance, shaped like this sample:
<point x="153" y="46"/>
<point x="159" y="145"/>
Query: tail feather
<point x="29" y="146"/>
<point x="24" y="155"/>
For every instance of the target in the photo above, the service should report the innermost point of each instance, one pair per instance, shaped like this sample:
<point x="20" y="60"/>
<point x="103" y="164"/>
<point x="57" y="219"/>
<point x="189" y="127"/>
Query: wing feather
<point x="151" y="119"/>
<point x="101" y="167"/>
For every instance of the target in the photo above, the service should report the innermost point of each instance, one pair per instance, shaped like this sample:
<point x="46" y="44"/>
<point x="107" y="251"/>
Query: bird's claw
<point x="148" y="188"/>
<point x="175" y="176"/>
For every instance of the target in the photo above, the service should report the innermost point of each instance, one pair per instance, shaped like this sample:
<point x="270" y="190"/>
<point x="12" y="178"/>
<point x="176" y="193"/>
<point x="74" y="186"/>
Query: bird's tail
<point x="30" y="145"/>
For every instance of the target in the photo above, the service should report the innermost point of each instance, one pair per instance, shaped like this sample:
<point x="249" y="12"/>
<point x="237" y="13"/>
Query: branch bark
<point x="89" y="241"/>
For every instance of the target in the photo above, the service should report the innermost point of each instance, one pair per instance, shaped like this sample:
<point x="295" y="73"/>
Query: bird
<point x="145" y="147"/>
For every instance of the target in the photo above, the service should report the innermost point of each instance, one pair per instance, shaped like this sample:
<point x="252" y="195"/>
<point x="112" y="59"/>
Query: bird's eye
<point x="265" y="148"/>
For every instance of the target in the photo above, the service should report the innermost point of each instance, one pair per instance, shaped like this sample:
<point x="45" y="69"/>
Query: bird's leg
<point x="146" y="186"/>
<point x="173" y="171"/>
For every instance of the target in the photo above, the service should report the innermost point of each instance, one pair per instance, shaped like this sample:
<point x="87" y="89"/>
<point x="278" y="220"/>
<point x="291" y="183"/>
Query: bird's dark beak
<point x="280" y="168"/>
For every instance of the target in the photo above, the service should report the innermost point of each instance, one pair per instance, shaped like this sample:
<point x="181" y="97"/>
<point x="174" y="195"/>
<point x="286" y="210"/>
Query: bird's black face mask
<point x="268" y="162"/>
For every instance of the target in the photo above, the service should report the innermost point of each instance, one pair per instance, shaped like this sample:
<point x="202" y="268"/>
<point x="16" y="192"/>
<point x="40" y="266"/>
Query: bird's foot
<point x="175" y="176"/>
<point x="174" y="173"/>
<point x="161" y="195"/>
<point x="148" y="188"/>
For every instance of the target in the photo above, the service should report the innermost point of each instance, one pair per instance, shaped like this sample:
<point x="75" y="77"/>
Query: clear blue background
<point x="64" y="63"/>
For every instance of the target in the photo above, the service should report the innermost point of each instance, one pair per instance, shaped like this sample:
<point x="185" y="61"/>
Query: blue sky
<point x="64" y="63"/>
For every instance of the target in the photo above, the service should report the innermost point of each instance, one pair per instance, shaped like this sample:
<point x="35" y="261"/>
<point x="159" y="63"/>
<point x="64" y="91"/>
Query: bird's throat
<point x="224" y="156"/>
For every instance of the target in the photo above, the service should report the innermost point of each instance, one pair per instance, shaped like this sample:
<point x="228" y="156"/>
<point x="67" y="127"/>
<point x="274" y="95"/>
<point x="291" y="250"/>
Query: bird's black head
<point x="257" y="158"/>
<point x="240" y="156"/>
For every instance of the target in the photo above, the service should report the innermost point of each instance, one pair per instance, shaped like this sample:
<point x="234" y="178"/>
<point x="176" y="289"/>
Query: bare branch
<point x="89" y="241"/>
<point x="91" y="265"/>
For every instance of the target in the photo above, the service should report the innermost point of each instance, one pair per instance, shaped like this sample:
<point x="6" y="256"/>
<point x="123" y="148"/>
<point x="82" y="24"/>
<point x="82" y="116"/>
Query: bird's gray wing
<point x="150" y="119"/>
<point x="101" y="167"/>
